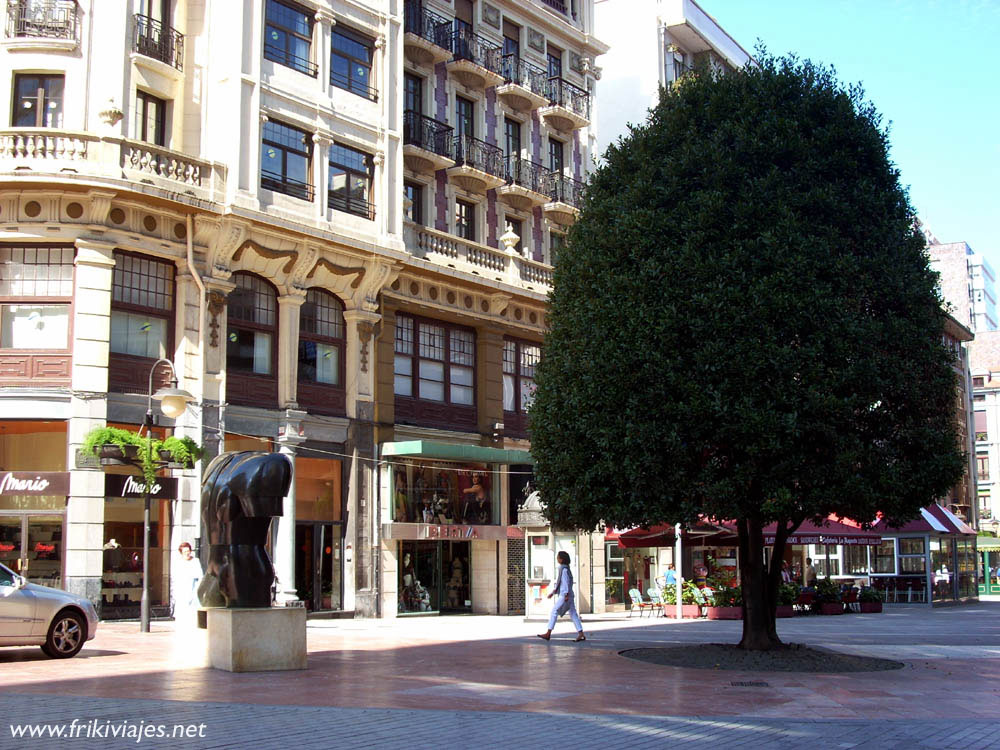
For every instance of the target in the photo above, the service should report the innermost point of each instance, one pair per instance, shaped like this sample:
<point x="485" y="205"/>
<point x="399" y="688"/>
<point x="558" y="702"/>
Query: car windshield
<point x="6" y="576"/>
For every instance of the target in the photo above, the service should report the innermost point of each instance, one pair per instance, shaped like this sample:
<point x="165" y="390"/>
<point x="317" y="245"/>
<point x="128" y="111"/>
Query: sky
<point x="929" y="66"/>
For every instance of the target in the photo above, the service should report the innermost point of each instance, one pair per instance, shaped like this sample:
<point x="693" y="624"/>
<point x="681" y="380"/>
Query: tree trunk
<point x="759" y="585"/>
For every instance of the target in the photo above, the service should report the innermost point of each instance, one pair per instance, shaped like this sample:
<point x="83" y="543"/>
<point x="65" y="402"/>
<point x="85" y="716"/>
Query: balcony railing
<point x="559" y="5"/>
<point x="528" y="174"/>
<point x="157" y="41"/>
<point x="467" y="45"/>
<point x="426" y="24"/>
<point x="563" y="189"/>
<point x="287" y="185"/>
<point x="352" y="204"/>
<point x="51" y="19"/>
<point x="428" y="134"/>
<point x="145" y="157"/>
<point x="564" y="94"/>
<point x="479" y="155"/>
<point x="456" y="252"/>
<point x="523" y="73"/>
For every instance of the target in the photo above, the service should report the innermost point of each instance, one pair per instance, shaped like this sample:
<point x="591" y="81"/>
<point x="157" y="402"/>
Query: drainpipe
<point x="200" y="389"/>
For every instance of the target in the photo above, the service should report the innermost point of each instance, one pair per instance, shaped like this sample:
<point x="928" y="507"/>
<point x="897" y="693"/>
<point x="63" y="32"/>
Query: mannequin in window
<point x="477" y="506"/>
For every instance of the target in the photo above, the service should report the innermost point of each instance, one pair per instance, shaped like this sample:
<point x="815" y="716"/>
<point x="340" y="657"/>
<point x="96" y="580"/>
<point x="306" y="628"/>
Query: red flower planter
<point x="870" y="606"/>
<point x="784" y="610"/>
<point x="688" y="611"/>
<point x="831" y="608"/>
<point x="724" y="613"/>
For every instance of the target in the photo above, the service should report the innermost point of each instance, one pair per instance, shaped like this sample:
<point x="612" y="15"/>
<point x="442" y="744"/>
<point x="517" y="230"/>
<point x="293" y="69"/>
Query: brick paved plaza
<point x="487" y="681"/>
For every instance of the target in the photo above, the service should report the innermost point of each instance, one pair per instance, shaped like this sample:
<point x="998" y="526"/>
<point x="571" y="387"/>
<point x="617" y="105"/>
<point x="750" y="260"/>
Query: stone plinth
<point x="257" y="640"/>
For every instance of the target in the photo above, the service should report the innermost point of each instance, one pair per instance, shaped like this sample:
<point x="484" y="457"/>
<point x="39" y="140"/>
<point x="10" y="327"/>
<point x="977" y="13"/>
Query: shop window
<point x="288" y="36"/>
<point x="826" y="560"/>
<point x="36" y="287"/>
<point x="351" y="173"/>
<point x="149" y="121"/>
<point x="441" y="493"/>
<point x="413" y="202"/>
<point x="38" y="101"/>
<point x="884" y="557"/>
<point x="321" y="339"/>
<point x="285" y="160"/>
<point x="351" y="62"/>
<point x="912" y="555"/>
<point x="252" y="325"/>
<point x="856" y="560"/>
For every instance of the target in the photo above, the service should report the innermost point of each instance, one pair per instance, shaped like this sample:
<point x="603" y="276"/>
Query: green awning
<point x="456" y="452"/>
<point x="987" y="542"/>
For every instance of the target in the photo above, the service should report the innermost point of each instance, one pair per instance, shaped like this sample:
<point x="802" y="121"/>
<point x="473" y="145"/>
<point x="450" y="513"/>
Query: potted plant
<point x="112" y="443"/>
<point x="788" y="594"/>
<point x="690" y="609"/>
<point x="180" y="450"/>
<point x="870" y="600"/>
<point x="828" y="600"/>
<point x="725" y="603"/>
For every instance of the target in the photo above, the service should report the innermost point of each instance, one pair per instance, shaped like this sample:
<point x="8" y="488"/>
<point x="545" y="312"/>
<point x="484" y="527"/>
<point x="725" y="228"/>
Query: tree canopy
<point x="743" y="323"/>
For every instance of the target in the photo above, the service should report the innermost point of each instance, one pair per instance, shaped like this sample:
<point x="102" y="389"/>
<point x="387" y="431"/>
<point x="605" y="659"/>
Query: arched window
<point x="321" y="339"/>
<point x="252" y="325"/>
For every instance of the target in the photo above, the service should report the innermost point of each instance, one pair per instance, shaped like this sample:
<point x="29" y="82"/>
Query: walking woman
<point x="565" y="600"/>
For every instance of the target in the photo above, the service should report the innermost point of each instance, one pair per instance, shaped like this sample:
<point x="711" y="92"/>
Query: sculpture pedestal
<point x="257" y="640"/>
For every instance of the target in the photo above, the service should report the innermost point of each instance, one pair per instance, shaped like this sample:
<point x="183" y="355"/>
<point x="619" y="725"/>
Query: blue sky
<point x="930" y="68"/>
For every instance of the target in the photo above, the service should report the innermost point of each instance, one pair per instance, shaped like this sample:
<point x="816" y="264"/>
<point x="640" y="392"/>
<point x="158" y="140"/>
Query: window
<point x="142" y="305"/>
<point x="554" y="58"/>
<point x="981" y="429"/>
<point x="351" y="62"/>
<point x="511" y="39"/>
<point x="351" y="174"/>
<point x="512" y="137"/>
<point x="826" y="560"/>
<point x="983" y="466"/>
<point x="288" y="37"/>
<point x="284" y="160"/>
<point x="413" y="93"/>
<point x="252" y="321"/>
<point x="978" y="382"/>
<point x="434" y="361"/>
<point x="321" y="338"/>
<point x="884" y="557"/>
<point x="465" y="220"/>
<point x="517" y="227"/>
<point x="413" y="202"/>
<point x="38" y="101"/>
<point x="555" y="155"/>
<point x="464" y="117"/>
<point x="856" y="560"/>
<point x="911" y="555"/>
<point x="557" y="242"/>
<point x="150" y="118"/>
<point x="43" y="275"/>
<point x="519" y="361"/>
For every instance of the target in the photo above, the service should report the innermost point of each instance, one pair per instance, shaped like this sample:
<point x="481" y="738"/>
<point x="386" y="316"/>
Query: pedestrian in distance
<point x="565" y="602"/>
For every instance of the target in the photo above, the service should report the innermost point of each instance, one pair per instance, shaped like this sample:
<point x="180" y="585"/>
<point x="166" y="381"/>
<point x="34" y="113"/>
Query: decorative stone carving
<point x="231" y="236"/>
<point x="216" y="306"/>
<point x="491" y="15"/>
<point x="576" y="62"/>
<point x="100" y="206"/>
<point x="365" y="330"/>
<point x="499" y="303"/>
<point x="264" y="252"/>
<point x="112" y="114"/>
<point x="536" y="40"/>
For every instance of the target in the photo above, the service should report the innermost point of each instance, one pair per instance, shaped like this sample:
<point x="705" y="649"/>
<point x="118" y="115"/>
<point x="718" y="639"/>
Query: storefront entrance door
<point x="318" y="564"/>
<point x="435" y="577"/>
<point x="32" y="545"/>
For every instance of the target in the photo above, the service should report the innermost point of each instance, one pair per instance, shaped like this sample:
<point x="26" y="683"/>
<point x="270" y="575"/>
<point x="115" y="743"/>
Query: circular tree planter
<point x="724" y="613"/>
<point x="870" y="607"/>
<point x="831" y="608"/>
<point x="784" y="610"/>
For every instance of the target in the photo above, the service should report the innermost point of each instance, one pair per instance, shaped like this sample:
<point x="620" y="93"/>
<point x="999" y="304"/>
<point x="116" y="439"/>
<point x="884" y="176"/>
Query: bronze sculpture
<point x="240" y="493"/>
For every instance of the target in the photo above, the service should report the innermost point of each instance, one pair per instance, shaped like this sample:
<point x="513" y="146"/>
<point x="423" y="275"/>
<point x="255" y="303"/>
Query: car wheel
<point x="67" y="634"/>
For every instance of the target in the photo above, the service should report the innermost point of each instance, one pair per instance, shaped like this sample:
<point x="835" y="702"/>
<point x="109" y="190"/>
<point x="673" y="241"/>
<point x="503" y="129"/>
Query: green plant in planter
<point x="827" y="591"/>
<point x="183" y="450"/>
<point x="868" y="594"/>
<point x="101" y="436"/>
<point x="727" y="596"/>
<point x="788" y="593"/>
<point x="688" y="595"/>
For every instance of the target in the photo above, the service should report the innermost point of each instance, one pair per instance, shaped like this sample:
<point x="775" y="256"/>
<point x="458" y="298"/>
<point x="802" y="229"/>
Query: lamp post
<point x="173" y="402"/>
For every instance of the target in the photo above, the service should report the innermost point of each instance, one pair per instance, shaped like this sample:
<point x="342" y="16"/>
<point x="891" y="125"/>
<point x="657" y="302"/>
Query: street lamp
<point x="173" y="402"/>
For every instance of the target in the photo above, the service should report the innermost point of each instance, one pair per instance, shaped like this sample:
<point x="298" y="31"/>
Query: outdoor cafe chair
<point x="637" y="602"/>
<point x="655" y="599"/>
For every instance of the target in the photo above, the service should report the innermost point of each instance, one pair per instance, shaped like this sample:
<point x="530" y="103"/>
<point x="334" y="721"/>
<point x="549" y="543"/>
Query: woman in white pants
<point x="565" y="601"/>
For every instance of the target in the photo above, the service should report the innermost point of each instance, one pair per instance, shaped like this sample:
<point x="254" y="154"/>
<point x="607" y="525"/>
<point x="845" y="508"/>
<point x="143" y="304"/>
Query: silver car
<point x="33" y="615"/>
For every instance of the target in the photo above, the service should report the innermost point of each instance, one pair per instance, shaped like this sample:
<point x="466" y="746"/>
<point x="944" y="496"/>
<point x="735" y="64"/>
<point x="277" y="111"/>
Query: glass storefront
<point x="943" y="568"/>
<point x="121" y="581"/>
<point x="319" y="530"/>
<point x="440" y="492"/>
<point x="434" y="577"/>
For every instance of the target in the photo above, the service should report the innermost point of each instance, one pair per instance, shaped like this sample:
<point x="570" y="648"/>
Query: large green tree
<point x="744" y="326"/>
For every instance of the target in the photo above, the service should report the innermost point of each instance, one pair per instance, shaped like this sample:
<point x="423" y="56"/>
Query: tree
<point x="744" y="326"/>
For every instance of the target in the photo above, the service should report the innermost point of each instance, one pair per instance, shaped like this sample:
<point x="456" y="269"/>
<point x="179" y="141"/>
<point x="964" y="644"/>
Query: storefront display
<point x="319" y="532"/>
<point x="434" y="577"/>
<point x="435" y="492"/>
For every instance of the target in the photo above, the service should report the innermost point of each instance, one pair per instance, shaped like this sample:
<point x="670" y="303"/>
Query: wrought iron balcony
<point x="562" y="93"/>
<point x="467" y="45"/>
<point x="428" y="134"/>
<point x="359" y="205"/>
<point x="480" y="155"/>
<point x="559" y="5"/>
<point x="50" y="19"/>
<point x="520" y="72"/>
<point x="154" y="39"/>
<point x="528" y="174"/>
<point x="426" y="24"/>
<point x="563" y="189"/>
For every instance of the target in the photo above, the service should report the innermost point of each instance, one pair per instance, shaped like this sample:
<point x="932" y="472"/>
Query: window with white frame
<point x="142" y="305"/>
<point x="434" y="361"/>
<point x="36" y="289"/>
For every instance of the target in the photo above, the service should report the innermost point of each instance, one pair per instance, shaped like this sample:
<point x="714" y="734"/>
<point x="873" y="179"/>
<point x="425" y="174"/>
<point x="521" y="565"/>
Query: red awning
<point x="662" y="535"/>
<point x="934" y="519"/>
<point x="828" y="532"/>
<point x="724" y="533"/>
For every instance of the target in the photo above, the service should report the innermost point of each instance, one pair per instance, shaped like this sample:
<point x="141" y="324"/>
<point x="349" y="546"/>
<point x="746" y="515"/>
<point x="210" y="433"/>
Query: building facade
<point x="968" y="284"/>
<point x="337" y="219"/>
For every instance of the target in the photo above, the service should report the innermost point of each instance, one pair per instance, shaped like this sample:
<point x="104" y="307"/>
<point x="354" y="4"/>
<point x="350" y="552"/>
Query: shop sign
<point x="449" y="531"/>
<point x="849" y="541"/>
<point x="34" y="483"/>
<point x="126" y="485"/>
<point x="455" y="532"/>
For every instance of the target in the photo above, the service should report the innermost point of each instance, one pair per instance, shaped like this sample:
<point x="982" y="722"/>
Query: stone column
<point x="321" y="42"/>
<point x="289" y="438"/>
<point x="88" y="409"/>
<point x="289" y="307"/>
<point x="321" y="160"/>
